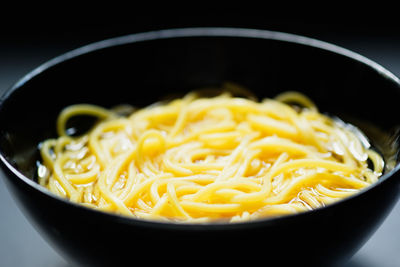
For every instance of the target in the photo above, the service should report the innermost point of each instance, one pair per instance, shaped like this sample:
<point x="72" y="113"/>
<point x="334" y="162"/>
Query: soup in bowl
<point x="289" y="156"/>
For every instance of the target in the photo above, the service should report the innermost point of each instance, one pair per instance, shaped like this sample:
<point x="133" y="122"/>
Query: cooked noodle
<point x="199" y="159"/>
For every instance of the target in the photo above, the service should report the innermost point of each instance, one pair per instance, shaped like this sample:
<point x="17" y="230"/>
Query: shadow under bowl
<point x="142" y="68"/>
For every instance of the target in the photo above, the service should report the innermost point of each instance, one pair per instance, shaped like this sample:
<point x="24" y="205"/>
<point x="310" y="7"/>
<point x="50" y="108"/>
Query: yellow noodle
<point x="200" y="159"/>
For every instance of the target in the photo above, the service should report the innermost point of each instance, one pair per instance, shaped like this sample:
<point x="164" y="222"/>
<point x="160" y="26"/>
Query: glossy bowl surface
<point x="141" y="69"/>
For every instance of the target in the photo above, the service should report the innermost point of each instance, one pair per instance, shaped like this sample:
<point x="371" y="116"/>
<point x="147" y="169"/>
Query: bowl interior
<point x="139" y="72"/>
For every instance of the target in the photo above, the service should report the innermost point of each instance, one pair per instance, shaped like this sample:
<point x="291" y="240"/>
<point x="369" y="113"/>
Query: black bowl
<point x="140" y="69"/>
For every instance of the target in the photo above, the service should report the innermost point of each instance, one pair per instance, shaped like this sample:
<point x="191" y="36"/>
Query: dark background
<point x="92" y="24"/>
<point x="29" y="38"/>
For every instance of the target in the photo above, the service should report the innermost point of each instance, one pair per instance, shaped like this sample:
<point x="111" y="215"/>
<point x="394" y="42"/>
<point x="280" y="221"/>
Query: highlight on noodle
<point x="204" y="159"/>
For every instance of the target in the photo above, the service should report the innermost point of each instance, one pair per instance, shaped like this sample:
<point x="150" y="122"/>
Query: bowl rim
<point x="184" y="33"/>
